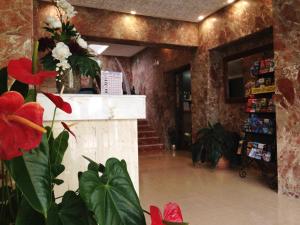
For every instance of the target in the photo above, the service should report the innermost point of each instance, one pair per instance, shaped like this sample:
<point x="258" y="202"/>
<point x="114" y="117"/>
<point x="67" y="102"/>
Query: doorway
<point x="183" y="107"/>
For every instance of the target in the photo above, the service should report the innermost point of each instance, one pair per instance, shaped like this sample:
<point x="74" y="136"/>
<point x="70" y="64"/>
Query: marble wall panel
<point x="287" y="55"/>
<point x="121" y="26"/>
<point x="229" y="24"/>
<point x="151" y="77"/>
<point x="16" y="29"/>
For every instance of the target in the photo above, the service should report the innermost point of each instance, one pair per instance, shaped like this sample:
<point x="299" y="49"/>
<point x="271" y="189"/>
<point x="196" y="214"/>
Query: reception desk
<point x="105" y="127"/>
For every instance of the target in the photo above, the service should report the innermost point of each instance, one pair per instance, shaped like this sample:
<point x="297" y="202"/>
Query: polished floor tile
<point x="212" y="197"/>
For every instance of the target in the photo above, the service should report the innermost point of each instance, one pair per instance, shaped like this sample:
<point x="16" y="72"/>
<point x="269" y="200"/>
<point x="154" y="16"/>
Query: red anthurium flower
<point x="156" y="218"/>
<point x="172" y="213"/>
<point x="20" y="125"/>
<point x="68" y="129"/>
<point x="59" y="102"/>
<point x="21" y="70"/>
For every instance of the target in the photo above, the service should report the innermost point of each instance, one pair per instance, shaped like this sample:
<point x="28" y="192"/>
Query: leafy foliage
<point x="49" y="62"/>
<point x="32" y="175"/>
<point x="28" y="216"/>
<point x="9" y="199"/>
<point x="212" y="143"/>
<point x="71" y="211"/>
<point x="84" y="65"/>
<point x="112" y="196"/>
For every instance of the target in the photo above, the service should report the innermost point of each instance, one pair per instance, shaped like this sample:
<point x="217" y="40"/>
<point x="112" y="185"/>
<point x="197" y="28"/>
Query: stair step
<point x="154" y="147"/>
<point x="142" y="122"/>
<point x="144" y="134"/>
<point x="144" y="128"/>
<point x="149" y="140"/>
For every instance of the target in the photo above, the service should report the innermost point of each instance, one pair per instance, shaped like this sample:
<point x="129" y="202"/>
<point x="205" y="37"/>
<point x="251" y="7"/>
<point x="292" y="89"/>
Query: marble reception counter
<point x="105" y="126"/>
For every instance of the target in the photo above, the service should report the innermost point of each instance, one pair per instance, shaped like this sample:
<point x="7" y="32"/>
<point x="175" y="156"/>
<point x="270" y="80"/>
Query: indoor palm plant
<point x="214" y="143"/>
<point x="65" y="50"/>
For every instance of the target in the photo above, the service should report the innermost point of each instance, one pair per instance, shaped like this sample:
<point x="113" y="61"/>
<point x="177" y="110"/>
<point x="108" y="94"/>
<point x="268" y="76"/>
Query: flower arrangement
<point x="65" y="49"/>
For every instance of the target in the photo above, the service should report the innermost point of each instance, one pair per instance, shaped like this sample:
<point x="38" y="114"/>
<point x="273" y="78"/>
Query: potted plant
<point x="214" y="144"/>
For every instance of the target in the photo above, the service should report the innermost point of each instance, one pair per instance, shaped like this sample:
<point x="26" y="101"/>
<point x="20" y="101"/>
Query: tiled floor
<point x="212" y="197"/>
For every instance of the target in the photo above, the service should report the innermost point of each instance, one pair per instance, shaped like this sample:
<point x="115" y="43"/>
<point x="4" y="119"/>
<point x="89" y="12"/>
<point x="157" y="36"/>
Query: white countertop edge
<point x="97" y="107"/>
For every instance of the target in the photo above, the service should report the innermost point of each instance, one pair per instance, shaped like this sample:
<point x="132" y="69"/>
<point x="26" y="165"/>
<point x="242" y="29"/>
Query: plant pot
<point x="223" y="163"/>
<point x="70" y="80"/>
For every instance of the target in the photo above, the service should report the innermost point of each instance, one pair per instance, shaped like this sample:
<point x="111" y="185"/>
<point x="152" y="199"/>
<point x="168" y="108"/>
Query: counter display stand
<point x="259" y="142"/>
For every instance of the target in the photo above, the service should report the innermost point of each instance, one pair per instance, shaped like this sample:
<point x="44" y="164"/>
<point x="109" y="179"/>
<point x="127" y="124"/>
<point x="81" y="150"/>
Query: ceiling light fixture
<point x="200" y="18"/>
<point x="230" y="1"/>
<point x="132" y="12"/>
<point x="99" y="49"/>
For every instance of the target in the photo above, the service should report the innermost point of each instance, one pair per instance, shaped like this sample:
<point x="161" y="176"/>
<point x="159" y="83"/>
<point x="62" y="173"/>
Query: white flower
<point x="61" y="51"/>
<point x="63" y="65"/>
<point x="53" y="22"/>
<point x="67" y="8"/>
<point x="82" y="43"/>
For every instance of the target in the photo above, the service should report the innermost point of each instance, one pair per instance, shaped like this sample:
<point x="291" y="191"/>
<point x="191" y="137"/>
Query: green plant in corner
<point x="212" y="143"/>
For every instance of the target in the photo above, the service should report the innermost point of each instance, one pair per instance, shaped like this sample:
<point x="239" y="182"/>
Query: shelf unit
<point x="259" y="142"/>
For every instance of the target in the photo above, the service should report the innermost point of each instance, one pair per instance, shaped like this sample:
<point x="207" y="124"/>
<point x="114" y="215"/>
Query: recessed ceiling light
<point x="200" y="18"/>
<point x="98" y="48"/>
<point x="133" y="12"/>
<point x="230" y="1"/>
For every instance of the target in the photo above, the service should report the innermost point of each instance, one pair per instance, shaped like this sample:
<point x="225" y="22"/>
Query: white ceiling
<point x="121" y="49"/>
<point x="186" y="10"/>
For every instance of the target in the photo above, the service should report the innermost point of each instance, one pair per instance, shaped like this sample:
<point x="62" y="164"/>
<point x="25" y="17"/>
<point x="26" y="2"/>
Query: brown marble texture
<point x="110" y="64"/>
<point x="16" y="29"/>
<point x="151" y="77"/>
<point x="229" y="24"/>
<point x="287" y="52"/>
<point x="102" y="24"/>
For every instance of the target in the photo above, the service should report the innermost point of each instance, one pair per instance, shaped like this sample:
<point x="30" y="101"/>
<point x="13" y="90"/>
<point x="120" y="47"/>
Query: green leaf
<point x="57" y="169"/>
<point x="32" y="176"/>
<point x="3" y="80"/>
<point x="84" y="65"/>
<point x="31" y="96"/>
<point x="28" y="216"/>
<point x="49" y="63"/>
<point x="57" y="181"/>
<point x="94" y="166"/>
<point x="20" y="87"/>
<point x="53" y="218"/>
<point x="112" y="197"/>
<point x="58" y="147"/>
<point x="71" y="211"/>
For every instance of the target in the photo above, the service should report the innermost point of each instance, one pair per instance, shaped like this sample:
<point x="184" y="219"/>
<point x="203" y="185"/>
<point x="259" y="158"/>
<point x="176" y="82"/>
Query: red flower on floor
<point x="172" y="213"/>
<point x="59" y="102"/>
<point x="21" y="70"/>
<point x="20" y="125"/>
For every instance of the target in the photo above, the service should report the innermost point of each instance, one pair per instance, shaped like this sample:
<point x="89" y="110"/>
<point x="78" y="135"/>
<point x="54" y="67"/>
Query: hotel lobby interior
<point x="149" y="112"/>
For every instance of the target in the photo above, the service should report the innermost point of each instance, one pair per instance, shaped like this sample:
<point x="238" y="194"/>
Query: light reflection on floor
<point x="212" y="197"/>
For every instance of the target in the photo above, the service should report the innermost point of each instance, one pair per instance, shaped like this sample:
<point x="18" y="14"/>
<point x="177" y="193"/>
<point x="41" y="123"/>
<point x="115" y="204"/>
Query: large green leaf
<point x="28" y="216"/>
<point x="3" y="80"/>
<point x="111" y="197"/>
<point x="71" y="211"/>
<point x="32" y="176"/>
<point x="20" y="87"/>
<point x="58" y="146"/>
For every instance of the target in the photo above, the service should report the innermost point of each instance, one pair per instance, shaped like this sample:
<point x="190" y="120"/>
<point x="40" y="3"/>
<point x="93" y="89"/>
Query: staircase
<point x="148" y="140"/>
